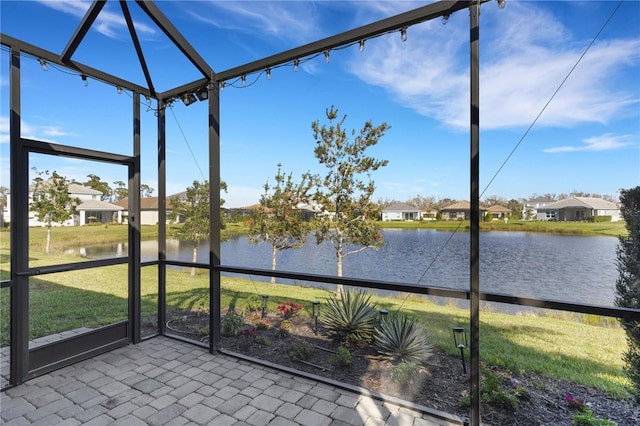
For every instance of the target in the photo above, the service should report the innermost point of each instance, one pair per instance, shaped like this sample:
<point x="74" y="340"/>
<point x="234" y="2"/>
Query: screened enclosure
<point x="146" y="282"/>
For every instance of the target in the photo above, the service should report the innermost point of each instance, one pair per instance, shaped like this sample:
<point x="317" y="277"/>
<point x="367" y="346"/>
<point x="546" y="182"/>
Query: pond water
<point x="570" y="268"/>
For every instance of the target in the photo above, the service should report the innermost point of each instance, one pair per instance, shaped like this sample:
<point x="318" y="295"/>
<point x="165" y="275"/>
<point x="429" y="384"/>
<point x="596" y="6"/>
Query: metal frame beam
<point x="81" y="31"/>
<point x="406" y="19"/>
<point x="136" y="44"/>
<point x="178" y="39"/>
<point x="72" y="65"/>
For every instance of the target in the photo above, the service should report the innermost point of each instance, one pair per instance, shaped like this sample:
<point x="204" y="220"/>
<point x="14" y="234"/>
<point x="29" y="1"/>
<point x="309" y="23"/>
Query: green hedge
<point x="600" y="218"/>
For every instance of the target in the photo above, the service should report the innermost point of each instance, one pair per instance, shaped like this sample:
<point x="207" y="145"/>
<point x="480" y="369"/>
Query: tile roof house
<point x="498" y="212"/>
<point x="459" y="211"/>
<point x="148" y="209"/>
<point x="579" y="209"/>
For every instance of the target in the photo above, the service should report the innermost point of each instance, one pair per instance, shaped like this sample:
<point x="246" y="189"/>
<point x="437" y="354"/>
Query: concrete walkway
<point x="166" y="382"/>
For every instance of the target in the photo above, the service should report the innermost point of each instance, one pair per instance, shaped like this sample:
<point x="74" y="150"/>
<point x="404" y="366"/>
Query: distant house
<point x="90" y="210"/>
<point x="458" y="211"/>
<point x="400" y="211"/>
<point x="148" y="209"/>
<point x="530" y="210"/>
<point x="428" y="214"/>
<point x="579" y="209"/>
<point x="498" y="212"/>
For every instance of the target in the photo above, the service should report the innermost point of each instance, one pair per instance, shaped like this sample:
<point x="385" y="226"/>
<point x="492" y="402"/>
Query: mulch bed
<point x="440" y="385"/>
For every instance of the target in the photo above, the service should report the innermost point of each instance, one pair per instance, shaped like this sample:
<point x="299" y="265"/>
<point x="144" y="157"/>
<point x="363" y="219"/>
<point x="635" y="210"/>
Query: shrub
<point x="404" y="372"/>
<point x="231" y="323"/>
<point x="351" y="317"/>
<point x="491" y="391"/>
<point x="586" y="418"/>
<point x="342" y="357"/>
<point x="599" y="219"/>
<point x="253" y="303"/>
<point x="262" y="340"/>
<point x="399" y="340"/>
<point x="628" y="282"/>
<point x="300" y="351"/>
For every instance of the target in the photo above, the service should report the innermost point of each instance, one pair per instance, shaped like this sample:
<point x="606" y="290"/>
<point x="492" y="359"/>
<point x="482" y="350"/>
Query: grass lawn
<point x="560" y="348"/>
<point x="609" y="229"/>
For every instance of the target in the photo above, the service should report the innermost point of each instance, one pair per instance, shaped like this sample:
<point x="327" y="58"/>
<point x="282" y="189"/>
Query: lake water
<point x="570" y="268"/>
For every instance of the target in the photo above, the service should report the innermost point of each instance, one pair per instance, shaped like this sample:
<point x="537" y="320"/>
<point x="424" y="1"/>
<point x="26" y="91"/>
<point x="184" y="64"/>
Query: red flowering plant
<point x="575" y="403"/>
<point x="285" y="328"/>
<point x="289" y="309"/>
<point x="259" y="322"/>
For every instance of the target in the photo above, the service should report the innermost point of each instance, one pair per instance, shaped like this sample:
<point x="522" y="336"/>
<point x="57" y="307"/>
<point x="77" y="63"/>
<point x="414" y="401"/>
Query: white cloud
<point x="110" y="24"/>
<point x="521" y="67"/>
<point x="285" y="20"/>
<point x="605" y="142"/>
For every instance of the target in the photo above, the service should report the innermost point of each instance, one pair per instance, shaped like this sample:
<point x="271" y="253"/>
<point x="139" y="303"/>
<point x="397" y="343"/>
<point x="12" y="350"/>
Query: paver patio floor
<point x="162" y="381"/>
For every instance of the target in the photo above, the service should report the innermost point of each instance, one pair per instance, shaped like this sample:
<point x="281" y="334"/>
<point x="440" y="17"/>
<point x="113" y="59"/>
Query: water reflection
<point x="572" y="268"/>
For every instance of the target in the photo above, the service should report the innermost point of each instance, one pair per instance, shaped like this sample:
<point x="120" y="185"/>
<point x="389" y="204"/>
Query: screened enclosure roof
<point x="419" y="86"/>
<point x="140" y="45"/>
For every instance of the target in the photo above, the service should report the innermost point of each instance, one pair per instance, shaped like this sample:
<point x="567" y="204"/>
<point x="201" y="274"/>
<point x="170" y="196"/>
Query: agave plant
<point x="399" y="340"/>
<point x="351" y="317"/>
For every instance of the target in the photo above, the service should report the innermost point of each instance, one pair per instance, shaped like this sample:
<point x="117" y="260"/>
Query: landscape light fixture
<point x="188" y="98"/>
<point x="203" y="93"/>
<point x="264" y="305"/>
<point x="460" y="340"/>
<point x="316" y="314"/>
<point x="43" y="64"/>
<point x="383" y="314"/>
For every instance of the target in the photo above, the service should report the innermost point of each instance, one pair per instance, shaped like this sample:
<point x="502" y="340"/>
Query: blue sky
<point x="587" y="138"/>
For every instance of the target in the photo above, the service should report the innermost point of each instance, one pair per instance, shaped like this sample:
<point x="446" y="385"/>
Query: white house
<point x="530" y="210"/>
<point x="400" y="211"/>
<point x="90" y="210"/>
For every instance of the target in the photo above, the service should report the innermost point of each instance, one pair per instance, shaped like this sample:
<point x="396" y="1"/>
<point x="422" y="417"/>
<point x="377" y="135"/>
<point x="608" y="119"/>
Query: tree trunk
<point x="195" y="257"/>
<point x="274" y="252"/>
<point x="48" y="247"/>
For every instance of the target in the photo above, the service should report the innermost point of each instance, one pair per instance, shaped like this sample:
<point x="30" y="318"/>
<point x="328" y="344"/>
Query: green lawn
<point x="566" y="349"/>
<point x="611" y="229"/>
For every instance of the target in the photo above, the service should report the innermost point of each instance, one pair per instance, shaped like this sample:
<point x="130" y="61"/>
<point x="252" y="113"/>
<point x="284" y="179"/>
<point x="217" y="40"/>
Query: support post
<point x="214" y="214"/>
<point x="474" y="305"/>
<point x="135" y="301"/>
<point x="19" y="177"/>
<point x="162" y="218"/>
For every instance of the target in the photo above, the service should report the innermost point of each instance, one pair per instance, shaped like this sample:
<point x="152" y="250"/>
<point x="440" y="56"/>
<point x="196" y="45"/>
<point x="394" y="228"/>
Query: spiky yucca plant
<point x="399" y="339"/>
<point x="351" y="317"/>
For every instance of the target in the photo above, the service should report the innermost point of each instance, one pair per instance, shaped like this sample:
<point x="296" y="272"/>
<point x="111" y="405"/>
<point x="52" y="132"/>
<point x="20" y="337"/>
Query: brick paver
<point x="166" y="382"/>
